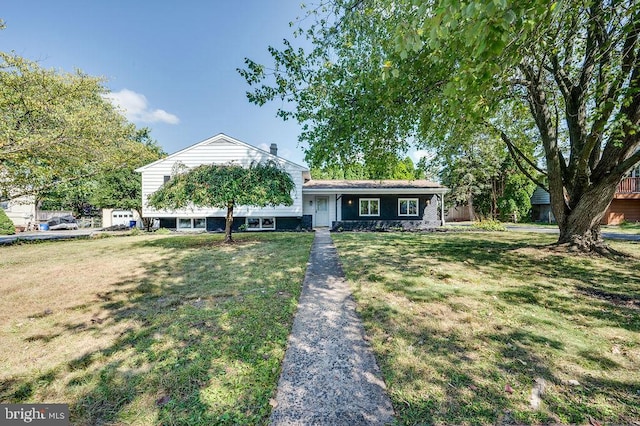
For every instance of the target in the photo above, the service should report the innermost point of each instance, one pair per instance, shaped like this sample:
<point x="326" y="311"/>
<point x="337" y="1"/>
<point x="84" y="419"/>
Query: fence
<point x="629" y="185"/>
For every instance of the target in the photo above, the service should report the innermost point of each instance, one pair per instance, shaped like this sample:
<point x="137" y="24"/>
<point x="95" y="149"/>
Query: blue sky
<point x="172" y="64"/>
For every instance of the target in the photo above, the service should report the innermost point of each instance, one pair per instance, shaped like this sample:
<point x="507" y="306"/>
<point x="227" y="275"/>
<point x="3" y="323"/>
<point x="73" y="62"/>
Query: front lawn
<point x="150" y="329"/>
<point x="480" y="328"/>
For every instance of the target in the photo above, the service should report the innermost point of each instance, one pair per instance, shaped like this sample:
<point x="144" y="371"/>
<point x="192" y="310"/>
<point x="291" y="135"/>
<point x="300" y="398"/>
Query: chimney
<point x="274" y="149"/>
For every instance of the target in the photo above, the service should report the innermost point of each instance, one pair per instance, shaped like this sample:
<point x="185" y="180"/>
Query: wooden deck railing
<point x="629" y="185"/>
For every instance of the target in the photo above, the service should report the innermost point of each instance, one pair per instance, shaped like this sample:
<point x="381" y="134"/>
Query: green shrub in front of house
<point x="6" y="225"/>
<point x="489" y="225"/>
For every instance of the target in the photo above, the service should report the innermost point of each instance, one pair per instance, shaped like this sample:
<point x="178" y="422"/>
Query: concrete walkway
<point x="329" y="375"/>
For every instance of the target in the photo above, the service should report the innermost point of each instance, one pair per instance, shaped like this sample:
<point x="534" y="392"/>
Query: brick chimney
<point x="273" y="149"/>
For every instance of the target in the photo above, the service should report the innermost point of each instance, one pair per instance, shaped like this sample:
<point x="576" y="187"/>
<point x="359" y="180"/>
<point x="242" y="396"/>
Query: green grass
<point x="172" y="330"/>
<point x="456" y="318"/>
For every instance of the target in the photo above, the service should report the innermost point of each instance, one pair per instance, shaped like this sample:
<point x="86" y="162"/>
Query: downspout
<point x="442" y="208"/>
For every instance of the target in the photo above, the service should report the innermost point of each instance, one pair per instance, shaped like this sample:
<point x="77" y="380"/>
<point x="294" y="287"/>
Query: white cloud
<point x="136" y="108"/>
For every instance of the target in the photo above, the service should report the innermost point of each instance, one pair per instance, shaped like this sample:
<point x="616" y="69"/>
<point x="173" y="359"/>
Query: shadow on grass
<point x="201" y="336"/>
<point x="463" y="385"/>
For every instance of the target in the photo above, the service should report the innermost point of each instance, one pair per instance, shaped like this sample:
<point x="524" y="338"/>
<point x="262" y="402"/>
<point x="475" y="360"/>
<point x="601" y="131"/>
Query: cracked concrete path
<point x="329" y="375"/>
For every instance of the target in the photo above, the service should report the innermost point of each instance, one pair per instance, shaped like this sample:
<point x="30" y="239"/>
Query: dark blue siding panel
<point x="427" y="207"/>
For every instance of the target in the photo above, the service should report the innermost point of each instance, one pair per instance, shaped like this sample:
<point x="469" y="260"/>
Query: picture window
<point x="408" y="207"/>
<point x="369" y="207"/>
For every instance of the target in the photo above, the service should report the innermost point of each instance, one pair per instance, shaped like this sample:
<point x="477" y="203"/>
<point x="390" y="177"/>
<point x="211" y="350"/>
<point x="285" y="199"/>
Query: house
<point x="223" y="149"/>
<point x="541" y="206"/>
<point x="372" y="204"/>
<point x="625" y="206"/>
<point x="340" y="204"/>
<point x="21" y="211"/>
<point x="120" y="217"/>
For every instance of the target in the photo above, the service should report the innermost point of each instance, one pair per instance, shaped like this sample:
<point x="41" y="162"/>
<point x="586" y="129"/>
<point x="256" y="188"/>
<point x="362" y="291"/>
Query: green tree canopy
<point x="224" y="187"/>
<point x="382" y="74"/>
<point x="56" y="128"/>
<point x="393" y="168"/>
<point x="120" y="188"/>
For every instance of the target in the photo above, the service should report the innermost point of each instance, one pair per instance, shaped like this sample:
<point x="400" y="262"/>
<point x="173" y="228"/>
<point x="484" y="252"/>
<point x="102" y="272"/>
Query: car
<point x="62" y="222"/>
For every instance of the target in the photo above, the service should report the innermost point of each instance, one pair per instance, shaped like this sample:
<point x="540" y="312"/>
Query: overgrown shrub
<point x="6" y="225"/>
<point x="489" y="225"/>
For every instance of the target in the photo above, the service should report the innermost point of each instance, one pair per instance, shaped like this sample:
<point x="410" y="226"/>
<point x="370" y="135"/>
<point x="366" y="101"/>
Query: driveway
<point x="547" y="230"/>
<point x="46" y="235"/>
<point x="611" y="235"/>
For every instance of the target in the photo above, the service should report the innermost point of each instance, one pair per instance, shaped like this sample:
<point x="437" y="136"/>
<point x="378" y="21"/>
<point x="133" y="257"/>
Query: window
<point x="165" y="179"/>
<point x="260" y="223"/>
<point x="369" y="207"/>
<point x="408" y="207"/>
<point x="184" y="223"/>
<point x="4" y="205"/>
<point x="187" y="223"/>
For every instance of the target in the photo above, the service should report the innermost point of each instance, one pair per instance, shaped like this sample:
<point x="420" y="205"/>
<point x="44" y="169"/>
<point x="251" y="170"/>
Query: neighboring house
<point x="21" y="211"/>
<point x="115" y="217"/>
<point x="541" y="206"/>
<point x="339" y="204"/>
<point x="625" y="206"/>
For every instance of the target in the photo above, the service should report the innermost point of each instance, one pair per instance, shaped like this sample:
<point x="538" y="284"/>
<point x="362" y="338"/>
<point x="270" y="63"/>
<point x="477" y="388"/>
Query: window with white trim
<point x="369" y="206"/>
<point x="189" y="223"/>
<point x="407" y="207"/>
<point x="260" y="223"/>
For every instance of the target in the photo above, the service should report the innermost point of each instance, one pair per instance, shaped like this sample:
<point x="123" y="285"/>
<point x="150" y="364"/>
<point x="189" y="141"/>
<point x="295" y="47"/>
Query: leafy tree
<point x="56" y="128"/>
<point x="122" y="188"/>
<point x="564" y="73"/>
<point x="470" y="173"/>
<point x="481" y="173"/>
<point x="6" y="225"/>
<point x="72" y="195"/>
<point x="224" y="187"/>
<point x="392" y="168"/>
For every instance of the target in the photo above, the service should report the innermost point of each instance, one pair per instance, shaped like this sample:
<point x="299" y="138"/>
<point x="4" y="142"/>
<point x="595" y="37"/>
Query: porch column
<point x="442" y="208"/>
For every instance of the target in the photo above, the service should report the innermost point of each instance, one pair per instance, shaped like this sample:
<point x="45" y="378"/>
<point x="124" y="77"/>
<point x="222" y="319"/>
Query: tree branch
<point x="516" y="154"/>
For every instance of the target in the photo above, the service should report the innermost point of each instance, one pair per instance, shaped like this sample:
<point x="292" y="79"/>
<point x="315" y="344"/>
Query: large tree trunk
<point x="580" y="225"/>
<point x="147" y="222"/>
<point x="229" y="223"/>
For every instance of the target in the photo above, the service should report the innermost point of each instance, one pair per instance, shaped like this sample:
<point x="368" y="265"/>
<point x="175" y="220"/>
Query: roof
<point x="540" y="196"/>
<point x="380" y="186"/>
<point x="219" y="136"/>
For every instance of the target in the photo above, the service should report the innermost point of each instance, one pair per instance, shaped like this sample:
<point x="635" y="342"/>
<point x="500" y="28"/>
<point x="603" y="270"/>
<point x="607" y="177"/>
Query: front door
<point x="322" y="211"/>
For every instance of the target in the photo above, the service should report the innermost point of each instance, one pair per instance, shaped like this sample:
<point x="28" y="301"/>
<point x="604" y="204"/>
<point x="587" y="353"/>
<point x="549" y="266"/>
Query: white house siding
<point x="309" y="206"/>
<point x="219" y="149"/>
<point x="21" y="210"/>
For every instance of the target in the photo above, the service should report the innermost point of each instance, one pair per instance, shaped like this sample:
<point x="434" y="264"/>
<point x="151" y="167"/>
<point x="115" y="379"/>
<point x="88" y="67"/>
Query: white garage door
<point x="121" y="217"/>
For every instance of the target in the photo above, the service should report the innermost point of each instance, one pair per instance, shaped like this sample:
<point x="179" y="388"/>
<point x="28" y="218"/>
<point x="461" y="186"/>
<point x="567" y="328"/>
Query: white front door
<point x="322" y="211"/>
